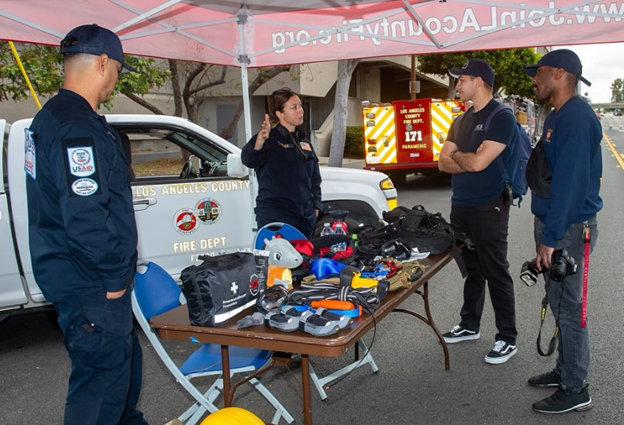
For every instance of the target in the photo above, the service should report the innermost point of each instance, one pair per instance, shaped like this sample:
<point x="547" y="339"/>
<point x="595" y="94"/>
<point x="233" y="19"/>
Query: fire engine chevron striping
<point x="382" y="131"/>
<point x="441" y="119"/>
<point x="612" y="148"/>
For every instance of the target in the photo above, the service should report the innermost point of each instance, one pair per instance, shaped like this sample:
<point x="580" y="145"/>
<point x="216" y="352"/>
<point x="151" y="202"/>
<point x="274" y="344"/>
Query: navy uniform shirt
<point x="82" y="229"/>
<point x="289" y="178"/>
<point x="478" y="188"/>
<point x="571" y="139"/>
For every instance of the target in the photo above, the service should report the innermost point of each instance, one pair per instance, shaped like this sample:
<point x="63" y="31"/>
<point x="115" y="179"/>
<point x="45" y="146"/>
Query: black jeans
<point x="488" y="226"/>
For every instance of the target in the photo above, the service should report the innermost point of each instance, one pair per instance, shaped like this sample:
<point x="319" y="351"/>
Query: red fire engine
<point x="406" y="136"/>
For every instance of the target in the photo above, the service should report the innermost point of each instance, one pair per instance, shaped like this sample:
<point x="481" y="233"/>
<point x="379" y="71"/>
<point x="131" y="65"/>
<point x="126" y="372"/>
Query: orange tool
<point x="333" y="305"/>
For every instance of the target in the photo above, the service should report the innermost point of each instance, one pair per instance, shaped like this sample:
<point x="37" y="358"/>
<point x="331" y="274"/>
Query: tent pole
<point x="21" y="67"/>
<point x="243" y="58"/>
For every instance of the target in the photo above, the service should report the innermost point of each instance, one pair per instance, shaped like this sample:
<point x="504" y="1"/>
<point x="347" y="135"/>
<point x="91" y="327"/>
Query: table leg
<point x="434" y="327"/>
<point x="305" y="382"/>
<point x="225" y="366"/>
<point x="429" y="321"/>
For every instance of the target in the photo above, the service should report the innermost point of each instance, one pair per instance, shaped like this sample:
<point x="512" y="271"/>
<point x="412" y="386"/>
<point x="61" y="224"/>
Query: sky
<point x="602" y="63"/>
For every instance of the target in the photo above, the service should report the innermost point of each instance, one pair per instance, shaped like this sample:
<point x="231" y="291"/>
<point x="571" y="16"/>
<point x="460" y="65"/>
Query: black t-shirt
<point x="483" y="186"/>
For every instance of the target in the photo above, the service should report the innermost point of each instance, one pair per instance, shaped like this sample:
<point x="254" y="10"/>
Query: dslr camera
<point x="562" y="265"/>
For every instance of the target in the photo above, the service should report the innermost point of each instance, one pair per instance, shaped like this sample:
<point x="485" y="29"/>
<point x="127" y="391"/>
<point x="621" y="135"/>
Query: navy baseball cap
<point x="562" y="58"/>
<point x="475" y="68"/>
<point x="94" y="40"/>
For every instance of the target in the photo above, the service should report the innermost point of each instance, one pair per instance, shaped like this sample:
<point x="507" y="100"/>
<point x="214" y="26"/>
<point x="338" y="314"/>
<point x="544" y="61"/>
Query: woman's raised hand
<point x="263" y="135"/>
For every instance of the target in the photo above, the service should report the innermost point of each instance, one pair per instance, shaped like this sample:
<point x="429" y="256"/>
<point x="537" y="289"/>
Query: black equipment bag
<point x="220" y="288"/>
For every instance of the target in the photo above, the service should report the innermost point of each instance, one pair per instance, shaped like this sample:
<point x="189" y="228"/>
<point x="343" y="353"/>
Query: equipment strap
<point x="586" y="240"/>
<point x="553" y="341"/>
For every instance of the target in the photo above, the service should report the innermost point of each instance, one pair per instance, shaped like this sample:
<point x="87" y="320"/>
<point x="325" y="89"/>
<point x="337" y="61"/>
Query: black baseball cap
<point x="94" y="40"/>
<point x="475" y="68"/>
<point x="561" y="58"/>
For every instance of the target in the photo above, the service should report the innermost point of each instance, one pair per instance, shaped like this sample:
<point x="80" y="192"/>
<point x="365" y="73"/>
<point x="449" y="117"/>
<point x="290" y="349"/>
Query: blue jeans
<point x="565" y="299"/>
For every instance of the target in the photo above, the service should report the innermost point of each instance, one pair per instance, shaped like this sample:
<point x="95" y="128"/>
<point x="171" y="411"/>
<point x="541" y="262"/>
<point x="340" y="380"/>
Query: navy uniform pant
<point x="488" y="226"/>
<point x="566" y="301"/>
<point x="106" y="371"/>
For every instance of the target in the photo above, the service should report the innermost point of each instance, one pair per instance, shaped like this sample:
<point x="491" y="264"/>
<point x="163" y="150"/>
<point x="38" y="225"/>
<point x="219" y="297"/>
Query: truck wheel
<point x="397" y="177"/>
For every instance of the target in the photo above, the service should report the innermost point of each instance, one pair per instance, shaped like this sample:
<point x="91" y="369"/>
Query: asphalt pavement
<point x="412" y="386"/>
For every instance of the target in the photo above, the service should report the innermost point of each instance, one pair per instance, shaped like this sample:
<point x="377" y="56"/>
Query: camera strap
<point x="553" y="341"/>
<point x="587" y="242"/>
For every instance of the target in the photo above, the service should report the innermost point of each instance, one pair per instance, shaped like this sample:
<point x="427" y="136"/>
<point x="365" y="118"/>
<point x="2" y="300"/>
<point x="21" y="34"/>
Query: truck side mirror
<point x="235" y="167"/>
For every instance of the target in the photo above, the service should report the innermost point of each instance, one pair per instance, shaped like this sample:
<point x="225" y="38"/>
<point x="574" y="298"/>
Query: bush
<point x="354" y="142"/>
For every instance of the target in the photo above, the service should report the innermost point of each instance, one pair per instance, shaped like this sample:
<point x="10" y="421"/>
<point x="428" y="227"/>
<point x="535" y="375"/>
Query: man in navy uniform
<point x="83" y="237"/>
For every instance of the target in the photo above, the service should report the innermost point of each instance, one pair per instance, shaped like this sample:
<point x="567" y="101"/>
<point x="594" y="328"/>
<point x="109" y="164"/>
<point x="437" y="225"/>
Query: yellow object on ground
<point x="232" y="416"/>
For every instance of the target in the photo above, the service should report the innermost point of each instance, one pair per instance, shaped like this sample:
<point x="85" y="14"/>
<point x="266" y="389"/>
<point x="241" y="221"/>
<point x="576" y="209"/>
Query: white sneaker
<point x="501" y="352"/>
<point x="459" y="334"/>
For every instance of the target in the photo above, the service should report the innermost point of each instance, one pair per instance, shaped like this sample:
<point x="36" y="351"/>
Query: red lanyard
<point x="586" y="240"/>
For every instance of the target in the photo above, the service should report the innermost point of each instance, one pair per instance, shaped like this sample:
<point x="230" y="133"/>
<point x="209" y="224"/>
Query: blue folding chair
<point x="156" y="292"/>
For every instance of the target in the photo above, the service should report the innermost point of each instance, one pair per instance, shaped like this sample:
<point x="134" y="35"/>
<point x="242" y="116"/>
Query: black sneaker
<point x="501" y="352"/>
<point x="564" y="401"/>
<point x="545" y="380"/>
<point x="459" y="334"/>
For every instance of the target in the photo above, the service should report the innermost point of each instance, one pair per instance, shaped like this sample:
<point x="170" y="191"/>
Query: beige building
<point x="376" y="80"/>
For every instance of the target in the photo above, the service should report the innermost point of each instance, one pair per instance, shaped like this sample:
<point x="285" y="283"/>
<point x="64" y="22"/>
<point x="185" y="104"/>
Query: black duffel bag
<point x="220" y="288"/>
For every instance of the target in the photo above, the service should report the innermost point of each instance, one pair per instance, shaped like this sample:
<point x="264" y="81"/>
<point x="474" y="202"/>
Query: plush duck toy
<point x="282" y="257"/>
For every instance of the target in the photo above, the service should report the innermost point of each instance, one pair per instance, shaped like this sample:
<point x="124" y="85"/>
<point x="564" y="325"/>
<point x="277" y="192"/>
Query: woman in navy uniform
<point x="287" y="167"/>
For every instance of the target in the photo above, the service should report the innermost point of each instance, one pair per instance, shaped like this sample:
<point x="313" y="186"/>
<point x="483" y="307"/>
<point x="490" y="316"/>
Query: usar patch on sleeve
<point x="81" y="165"/>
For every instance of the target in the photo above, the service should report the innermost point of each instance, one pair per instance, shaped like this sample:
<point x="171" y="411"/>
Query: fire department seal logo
<point x="208" y="210"/>
<point x="185" y="222"/>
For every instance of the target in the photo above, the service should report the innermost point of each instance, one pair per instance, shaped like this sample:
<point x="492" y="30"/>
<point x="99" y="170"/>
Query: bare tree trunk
<point x="264" y="76"/>
<point x="451" y="88"/>
<point x="339" y="134"/>
<point x="175" y="82"/>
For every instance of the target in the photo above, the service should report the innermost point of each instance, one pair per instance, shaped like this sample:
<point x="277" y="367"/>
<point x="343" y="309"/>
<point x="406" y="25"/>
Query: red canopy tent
<point x="260" y="33"/>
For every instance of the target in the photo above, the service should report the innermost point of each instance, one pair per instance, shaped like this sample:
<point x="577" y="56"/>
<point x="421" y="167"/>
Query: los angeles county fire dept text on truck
<point x="202" y="206"/>
<point x="406" y="136"/>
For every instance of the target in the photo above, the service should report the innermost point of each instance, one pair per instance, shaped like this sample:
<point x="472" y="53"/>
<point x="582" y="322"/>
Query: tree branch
<point x="143" y="103"/>
<point x="262" y="77"/>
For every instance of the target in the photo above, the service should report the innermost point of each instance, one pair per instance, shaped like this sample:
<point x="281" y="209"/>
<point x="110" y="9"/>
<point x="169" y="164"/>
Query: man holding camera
<point x="564" y="174"/>
<point x="480" y="206"/>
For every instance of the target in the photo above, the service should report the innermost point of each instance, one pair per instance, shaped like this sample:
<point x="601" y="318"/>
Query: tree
<point x="336" y="150"/>
<point x="617" y="90"/>
<point x="507" y="65"/>
<point x="190" y="82"/>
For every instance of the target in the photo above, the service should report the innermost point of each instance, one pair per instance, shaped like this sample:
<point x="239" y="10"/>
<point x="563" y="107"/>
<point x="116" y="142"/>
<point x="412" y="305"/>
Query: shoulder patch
<point x="30" y="154"/>
<point x="81" y="161"/>
<point x="84" y="187"/>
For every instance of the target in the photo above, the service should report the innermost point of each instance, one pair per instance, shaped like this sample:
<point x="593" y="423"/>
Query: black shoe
<point x="545" y="380"/>
<point x="564" y="401"/>
<point x="458" y="334"/>
<point x="501" y="352"/>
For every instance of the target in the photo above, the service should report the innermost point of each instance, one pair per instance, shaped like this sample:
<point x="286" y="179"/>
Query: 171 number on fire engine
<point x="413" y="136"/>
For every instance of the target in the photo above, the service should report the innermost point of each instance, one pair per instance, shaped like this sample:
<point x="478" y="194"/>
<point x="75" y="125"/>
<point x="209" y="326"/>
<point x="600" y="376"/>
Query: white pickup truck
<point x="203" y="205"/>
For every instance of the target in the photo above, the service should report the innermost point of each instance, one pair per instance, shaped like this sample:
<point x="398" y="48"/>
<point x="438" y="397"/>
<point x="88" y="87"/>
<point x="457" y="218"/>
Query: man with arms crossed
<point x="478" y="207"/>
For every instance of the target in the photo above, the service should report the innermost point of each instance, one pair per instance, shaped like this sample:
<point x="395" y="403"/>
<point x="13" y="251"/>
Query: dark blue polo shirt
<point x="478" y="188"/>
<point x="82" y="229"/>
